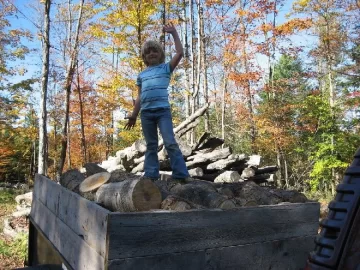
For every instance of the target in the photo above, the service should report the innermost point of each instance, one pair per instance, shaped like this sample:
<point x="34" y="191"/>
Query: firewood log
<point x="174" y="203"/>
<point x="225" y="164"/>
<point x="208" y="158"/>
<point x="71" y="179"/>
<point x="247" y="173"/>
<point x="88" y="187"/>
<point x="92" y="168"/>
<point x="267" y="169"/>
<point x="94" y="181"/>
<point x="229" y="177"/>
<point x="191" y="118"/>
<point x="129" y="196"/>
<point x="200" y="195"/>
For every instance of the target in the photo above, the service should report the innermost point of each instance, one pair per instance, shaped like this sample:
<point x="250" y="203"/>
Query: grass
<point x="12" y="251"/>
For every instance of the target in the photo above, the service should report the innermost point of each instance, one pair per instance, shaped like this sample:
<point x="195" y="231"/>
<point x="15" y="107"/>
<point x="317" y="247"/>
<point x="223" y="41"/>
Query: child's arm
<point x="169" y="28"/>
<point x="132" y="118"/>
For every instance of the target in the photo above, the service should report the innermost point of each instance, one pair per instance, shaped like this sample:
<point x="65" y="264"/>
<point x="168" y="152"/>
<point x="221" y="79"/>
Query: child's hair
<point x="152" y="44"/>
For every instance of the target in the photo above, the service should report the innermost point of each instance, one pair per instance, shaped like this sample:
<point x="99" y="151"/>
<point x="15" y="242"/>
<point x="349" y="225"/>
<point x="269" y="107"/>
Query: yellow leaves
<point x="302" y="3"/>
<point x="293" y="25"/>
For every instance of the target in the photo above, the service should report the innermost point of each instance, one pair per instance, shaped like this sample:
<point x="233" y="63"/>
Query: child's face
<point x="152" y="56"/>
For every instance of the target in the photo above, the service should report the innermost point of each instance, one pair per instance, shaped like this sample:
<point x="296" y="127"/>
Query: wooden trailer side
<point x="76" y="227"/>
<point x="279" y="236"/>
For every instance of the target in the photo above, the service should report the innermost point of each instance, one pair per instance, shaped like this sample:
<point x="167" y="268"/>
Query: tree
<point x="43" y="144"/>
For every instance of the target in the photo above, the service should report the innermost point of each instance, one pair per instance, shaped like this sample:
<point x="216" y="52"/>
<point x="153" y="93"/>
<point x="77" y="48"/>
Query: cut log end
<point x="94" y="181"/>
<point x="228" y="204"/>
<point x="146" y="196"/>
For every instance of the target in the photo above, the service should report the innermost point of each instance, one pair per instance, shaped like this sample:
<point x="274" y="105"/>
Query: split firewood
<point x="196" y="172"/>
<point x="247" y="173"/>
<point x="228" y="177"/>
<point x="210" y="143"/>
<point x="204" y="159"/>
<point x="200" y="141"/>
<point x="129" y="196"/>
<point x="24" y="199"/>
<point x="192" y="118"/>
<point x="225" y="164"/>
<point x="192" y="125"/>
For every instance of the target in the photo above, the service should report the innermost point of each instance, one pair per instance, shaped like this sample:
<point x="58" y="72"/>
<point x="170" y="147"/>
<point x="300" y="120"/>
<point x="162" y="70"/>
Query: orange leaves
<point x="243" y="78"/>
<point x="293" y="26"/>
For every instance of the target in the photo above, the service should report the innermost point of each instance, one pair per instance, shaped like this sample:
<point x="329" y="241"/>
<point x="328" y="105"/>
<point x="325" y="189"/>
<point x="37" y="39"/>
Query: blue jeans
<point x="150" y="120"/>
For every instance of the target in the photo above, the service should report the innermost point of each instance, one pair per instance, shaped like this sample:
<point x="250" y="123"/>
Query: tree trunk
<point x="68" y="82"/>
<point x="83" y="140"/>
<point x="203" y="63"/>
<point x="43" y="154"/>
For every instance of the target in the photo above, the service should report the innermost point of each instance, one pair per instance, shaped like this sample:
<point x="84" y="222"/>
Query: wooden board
<point x="85" y="218"/>
<point x="146" y="234"/>
<point x="282" y="254"/>
<point x="78" y="254"/>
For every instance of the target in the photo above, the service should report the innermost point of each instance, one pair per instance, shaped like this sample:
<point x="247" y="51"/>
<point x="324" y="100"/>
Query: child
<point x="155" y="107"/>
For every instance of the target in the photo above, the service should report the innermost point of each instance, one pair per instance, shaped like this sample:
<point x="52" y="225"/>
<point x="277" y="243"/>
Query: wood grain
<point x="141" y="234"/>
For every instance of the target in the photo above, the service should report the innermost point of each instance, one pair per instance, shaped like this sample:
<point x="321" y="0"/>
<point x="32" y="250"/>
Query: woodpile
<point x="209" y="159"/>
<point x="219" y="178"/>
<point x="126" y="192"/>
<point x="17" y="222"/>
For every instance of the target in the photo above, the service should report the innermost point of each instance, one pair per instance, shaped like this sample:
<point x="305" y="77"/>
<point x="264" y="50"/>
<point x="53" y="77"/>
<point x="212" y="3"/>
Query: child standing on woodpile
<point x="155" y="107"/>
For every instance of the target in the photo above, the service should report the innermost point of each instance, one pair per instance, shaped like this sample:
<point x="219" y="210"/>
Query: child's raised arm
<point x="169" y="28"/>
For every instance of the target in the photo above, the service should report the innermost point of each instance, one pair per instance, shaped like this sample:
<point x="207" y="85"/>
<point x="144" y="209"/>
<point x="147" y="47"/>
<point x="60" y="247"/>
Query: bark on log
<point x="200" y="195"/>
<point x="225" y="164"/>
<point x="210" y="143"/>
<point x="267" y="169"/>
<point x="192" y="125"/>
<point x="92" y="168"/>
<point x="292" y="196"/>
<point x="71" y="179"/>
<point x="262" y="178"/>
<point x="129" y="196"/>
<point x="204" y="159"/>
<point x="175" y="203"/>
<point x="202" y="138"/>
<point x="191" y="118"/>
<point x="252" y="194"/>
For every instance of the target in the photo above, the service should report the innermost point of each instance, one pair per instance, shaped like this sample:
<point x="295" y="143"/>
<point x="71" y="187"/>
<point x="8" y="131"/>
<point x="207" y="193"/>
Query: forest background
<point x="282" y="78"/>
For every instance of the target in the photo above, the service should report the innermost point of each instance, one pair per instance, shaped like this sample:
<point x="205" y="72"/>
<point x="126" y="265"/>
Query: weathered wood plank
<point x="141" y="234"/>
<point x="71" y="246"/>
<point x="84" y="217"/>
<point x="282" y="254"/>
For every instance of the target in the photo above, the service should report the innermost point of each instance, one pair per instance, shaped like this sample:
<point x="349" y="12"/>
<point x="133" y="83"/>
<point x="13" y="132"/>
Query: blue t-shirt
<point x="154" y="82"/>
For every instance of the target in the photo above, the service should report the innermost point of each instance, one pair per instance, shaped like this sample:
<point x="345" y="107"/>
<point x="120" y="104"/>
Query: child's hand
<point x="169" y="28"/>
<point x="131" y="122"/>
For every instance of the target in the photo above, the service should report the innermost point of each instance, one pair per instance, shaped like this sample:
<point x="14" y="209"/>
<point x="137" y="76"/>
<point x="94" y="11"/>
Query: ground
<point x="12" y="251"/>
